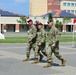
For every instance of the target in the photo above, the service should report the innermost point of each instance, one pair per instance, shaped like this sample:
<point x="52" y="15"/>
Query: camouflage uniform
<point x="31" y="39"/>
<point x="54" y="39"/>
<point x="41" y="38"/>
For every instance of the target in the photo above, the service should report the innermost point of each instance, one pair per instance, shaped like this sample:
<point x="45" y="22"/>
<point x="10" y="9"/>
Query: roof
<point x="60" y="14"/>
<point x="47" y="14"/>
<point x="7" y="13"/>
<point x="67" y="14"/>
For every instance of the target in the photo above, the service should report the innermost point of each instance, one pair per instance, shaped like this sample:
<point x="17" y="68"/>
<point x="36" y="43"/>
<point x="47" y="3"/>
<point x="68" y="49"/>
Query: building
<point x="8" y="21"/>
<point x="53" y="5"/>
<point x="68" y="5"/>
<point x="38" y="7"/>
<point x="67" y="26"/>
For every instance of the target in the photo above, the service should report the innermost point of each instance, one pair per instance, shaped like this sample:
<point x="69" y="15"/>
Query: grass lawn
<point x="14" y="40"/>
<point x="65" y="39"/>
<point x="24" y="39"/>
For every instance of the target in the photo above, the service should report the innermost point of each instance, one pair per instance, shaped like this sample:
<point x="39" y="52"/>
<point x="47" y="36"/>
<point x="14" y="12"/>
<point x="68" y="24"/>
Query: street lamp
<point x="1" y="35"/>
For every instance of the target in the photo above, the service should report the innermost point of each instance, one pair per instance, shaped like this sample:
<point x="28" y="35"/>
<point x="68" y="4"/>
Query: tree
<point x="66" y="19"/>
<point x="22" y="20"/>
<point x="58" y="23"/>
<point x="50" y="16"/>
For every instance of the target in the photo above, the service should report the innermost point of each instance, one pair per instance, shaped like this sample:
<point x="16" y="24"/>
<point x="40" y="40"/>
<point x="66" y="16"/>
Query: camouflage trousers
<point x="40" y="48"/>
<point x="29" y="47"/>
<point x="54" y="50"/>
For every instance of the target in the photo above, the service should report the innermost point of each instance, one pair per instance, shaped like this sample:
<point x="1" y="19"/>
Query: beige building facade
<point x="68" y="5"/>
<point x="38" y="7"/>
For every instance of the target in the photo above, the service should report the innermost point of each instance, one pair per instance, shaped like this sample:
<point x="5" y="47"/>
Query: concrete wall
<point x="9" y="20"/>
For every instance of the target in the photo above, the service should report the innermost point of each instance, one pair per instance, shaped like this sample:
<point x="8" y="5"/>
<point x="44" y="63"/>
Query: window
<point x="72" y="4"/>
<point x="57" y="3"/>
<point x="68" y="4"/>
<point x="68" y="11"/>
<point x="72" y="11"/>
<point x="49" y="3"/>
<point x="55" y="9"/>
<point x="64" y="4"/>
<point x="49" y="11"/>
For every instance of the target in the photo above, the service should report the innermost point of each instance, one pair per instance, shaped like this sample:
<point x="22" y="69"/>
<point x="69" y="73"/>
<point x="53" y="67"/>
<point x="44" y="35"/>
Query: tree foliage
<point x="50" y="16"/>
<point x="22" y="20"/>
<point x="66" y="19"/>
<point x="58" y="23"/>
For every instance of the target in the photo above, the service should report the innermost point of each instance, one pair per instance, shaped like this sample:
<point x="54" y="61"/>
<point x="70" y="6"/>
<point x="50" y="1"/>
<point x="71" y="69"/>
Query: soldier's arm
<point x="34" y="30"/>
<point x="57" y="35"/>
<point x="43" y="37"/>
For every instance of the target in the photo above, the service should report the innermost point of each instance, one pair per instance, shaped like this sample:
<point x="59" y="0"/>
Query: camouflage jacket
<point x="53" y="35"/>
<point x="41" y="36"/>
<point x="32" y="34"/>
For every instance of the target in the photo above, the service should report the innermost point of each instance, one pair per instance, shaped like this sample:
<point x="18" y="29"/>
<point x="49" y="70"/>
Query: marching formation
<point x="37" y="41"/>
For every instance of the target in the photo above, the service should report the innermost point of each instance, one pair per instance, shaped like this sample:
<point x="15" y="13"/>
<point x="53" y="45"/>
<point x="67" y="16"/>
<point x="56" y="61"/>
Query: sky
<point x="16" y="6"/>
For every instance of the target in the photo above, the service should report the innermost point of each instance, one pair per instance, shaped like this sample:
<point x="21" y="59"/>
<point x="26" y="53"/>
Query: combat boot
<point x="41" y="57"/>
<point x="63" y="61"/>
<point x="47" y="65"/>
<point x="35" y="61"/>
<point x="26" y="59"/>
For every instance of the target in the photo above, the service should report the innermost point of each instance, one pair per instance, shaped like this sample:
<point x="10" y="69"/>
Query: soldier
<point x="40" y="44"/>
<point x="53" y="45"/>
<point x="31" y="39"/>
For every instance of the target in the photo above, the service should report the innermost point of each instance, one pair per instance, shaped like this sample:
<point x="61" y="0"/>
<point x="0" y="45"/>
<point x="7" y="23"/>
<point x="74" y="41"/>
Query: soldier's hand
<point x="29" y="41"/>
<point x="39" y="43"/>
<point x="53" y="45"/>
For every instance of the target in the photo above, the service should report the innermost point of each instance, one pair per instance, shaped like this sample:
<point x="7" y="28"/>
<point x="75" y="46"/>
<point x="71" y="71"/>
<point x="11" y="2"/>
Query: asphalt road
<point x="24" y="34"/>
<point x="15" y="34"/>
<point x="11" y="56"/>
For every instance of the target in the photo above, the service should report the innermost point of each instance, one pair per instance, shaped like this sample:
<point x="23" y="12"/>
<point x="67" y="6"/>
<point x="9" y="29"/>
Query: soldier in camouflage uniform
<point x="40" y="44"/>
<point x="31" y="39"/>
<point x="53" y="45"/>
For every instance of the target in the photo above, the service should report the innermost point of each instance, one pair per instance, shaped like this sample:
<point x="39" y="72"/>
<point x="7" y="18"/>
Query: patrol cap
<point x="50" y="21"/>
<point x="40" y="24"/>
<point x="29" y="21"/>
